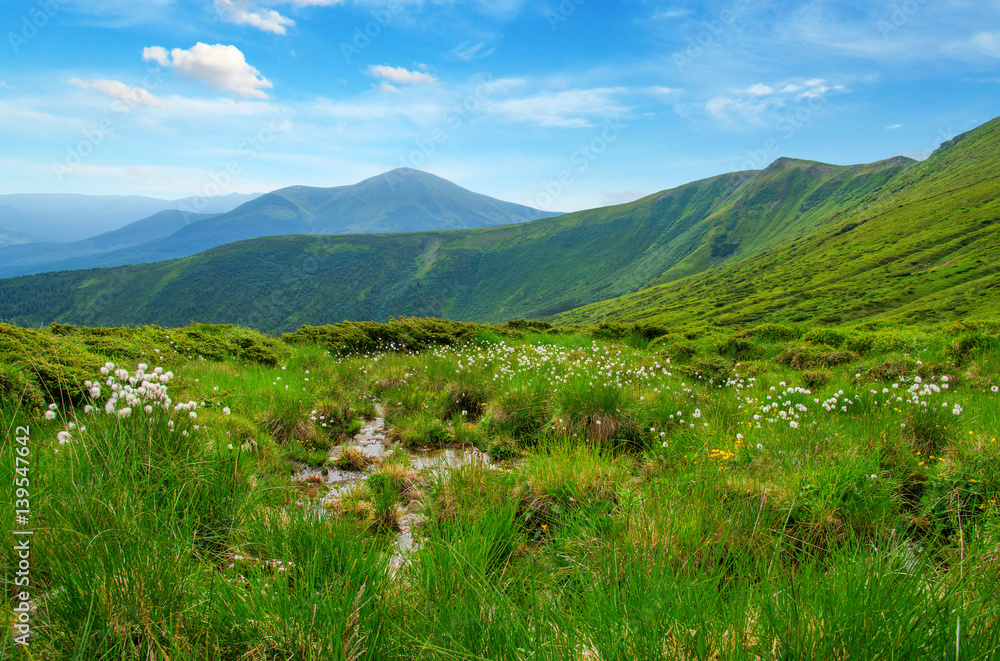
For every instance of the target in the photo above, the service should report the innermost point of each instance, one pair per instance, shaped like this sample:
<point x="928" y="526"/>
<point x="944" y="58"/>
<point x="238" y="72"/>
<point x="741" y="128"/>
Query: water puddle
<point x="333" y="483"/>
<point x="442" y="461"/>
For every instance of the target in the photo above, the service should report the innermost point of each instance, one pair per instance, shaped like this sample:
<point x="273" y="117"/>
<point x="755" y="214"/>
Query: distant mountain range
<point x="402" y="200"/>
<point x="66" y="217"/>
<point x="799" y="241"/>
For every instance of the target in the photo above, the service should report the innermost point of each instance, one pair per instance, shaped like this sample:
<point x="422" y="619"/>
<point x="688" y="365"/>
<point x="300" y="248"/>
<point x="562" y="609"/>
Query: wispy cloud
<point x="668" y="13"/>
<point x="218" y="66"/>
<point x="893" y="127"/>
<point x="243" y="12"/>
<point x="133" y="96"/>
<point x="575" y="108"/>
<point x="469" y="50"/>
<point x="401" y="75"/>
<point x="757" y="104"/>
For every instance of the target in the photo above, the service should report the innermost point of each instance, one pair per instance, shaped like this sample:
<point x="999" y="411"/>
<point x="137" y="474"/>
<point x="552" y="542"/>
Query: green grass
<point x="704" y="526"/>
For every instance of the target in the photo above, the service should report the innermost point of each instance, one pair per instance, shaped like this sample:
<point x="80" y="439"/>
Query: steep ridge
<point x="925" y="248"/>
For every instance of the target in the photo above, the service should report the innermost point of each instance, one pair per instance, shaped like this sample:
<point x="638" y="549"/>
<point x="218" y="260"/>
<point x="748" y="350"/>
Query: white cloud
<point x="759" y="90"/>
<point x="3" y="83"/>
<point x="660" y="90"/>
<point x="893" y="127"/>
<point x="988" y="43"/>
<point x="673" y="12"/>
<point x="312" y="3"/>
<point x="401" y="76"/>
<point x="566" y="109"/>
<point x="222" y="67"/>
<point x="756" y="105"/>
<point x="243" y="12"/>
<point x="471" y="51"/>
<point x="133" y="96"/>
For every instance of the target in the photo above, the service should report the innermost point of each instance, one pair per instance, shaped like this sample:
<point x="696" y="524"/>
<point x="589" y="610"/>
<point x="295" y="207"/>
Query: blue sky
<point x="558" y="104"/>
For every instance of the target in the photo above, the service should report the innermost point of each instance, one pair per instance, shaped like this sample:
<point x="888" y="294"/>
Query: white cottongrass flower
<point x="50" y="415"/>
<point x="226" y="411"/>
<point x="64" y="437"/>
<point x="193" y="415"/>
<point x="793" y="424"/>
<point x="124" y="412"/>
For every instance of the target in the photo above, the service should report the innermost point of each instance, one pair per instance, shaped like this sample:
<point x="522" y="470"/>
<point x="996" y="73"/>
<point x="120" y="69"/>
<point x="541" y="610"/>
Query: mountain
<point x="19" y="227"/>
<point x="88" y="253"/>
<point x="402" y="200"/>
<point x="799" y="240"/>
<point x="926" y="248"/>
<point x="73" y="217"/>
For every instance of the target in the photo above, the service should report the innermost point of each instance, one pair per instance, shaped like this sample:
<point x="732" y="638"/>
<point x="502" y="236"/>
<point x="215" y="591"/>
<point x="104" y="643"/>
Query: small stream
<point x="372" y="442"/>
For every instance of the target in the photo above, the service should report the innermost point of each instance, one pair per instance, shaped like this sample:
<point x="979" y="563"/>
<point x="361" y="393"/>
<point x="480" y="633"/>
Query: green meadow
<point x="625" y="491"/>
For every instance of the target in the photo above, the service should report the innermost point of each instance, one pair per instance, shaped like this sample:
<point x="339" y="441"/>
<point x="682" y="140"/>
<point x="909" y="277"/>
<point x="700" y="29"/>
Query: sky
<point x="557" y="104"/>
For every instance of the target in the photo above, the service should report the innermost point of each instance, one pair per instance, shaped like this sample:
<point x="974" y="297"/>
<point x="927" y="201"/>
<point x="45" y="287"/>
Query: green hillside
<point x="799" y="240"/>
<point x="925" y="249"/>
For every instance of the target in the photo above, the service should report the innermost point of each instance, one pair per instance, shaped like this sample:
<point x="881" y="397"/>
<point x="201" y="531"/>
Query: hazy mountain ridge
<point x="73" y="217"/>
<point x="101" y="250"/>
<point x="403" y="200"/>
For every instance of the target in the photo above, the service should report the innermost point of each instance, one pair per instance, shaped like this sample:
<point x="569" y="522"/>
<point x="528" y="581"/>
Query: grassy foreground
<point x="774" y="492"/>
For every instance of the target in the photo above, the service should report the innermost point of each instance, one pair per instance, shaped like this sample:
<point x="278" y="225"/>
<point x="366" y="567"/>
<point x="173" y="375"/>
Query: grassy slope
<point x="715" y="528"/>
<point x="925" y="249"/>
<point x="531" y="269"/>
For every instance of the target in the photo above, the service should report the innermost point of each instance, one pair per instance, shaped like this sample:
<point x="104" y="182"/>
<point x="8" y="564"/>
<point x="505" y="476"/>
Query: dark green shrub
<point x="708" y="368"/>
<point x="774" y="333"/>
<point x="815" y="379"/>
<point x="736" y="348"/>
<point x="826" y="336"/>
<point x="961" y="350"/>
<point x="800" y="358"/>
